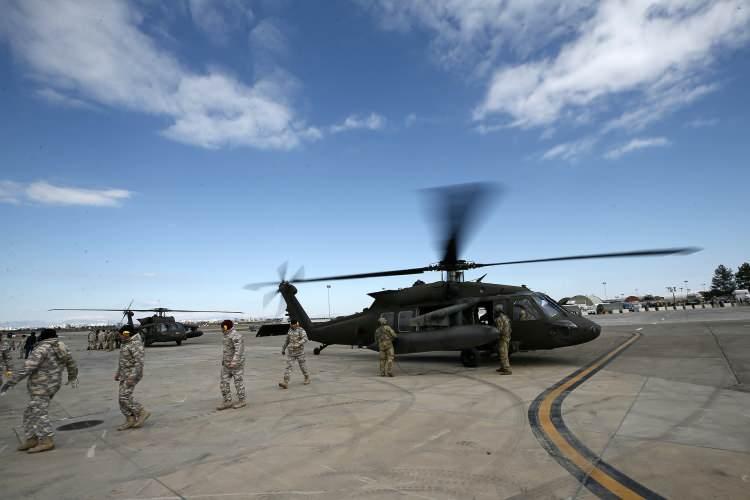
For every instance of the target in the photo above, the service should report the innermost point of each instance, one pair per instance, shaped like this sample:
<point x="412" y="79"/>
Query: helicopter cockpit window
<point x="404" y="321"/>
<point x="389" y="318"/>
<point x="161" y="328"/>
<point x="523" y="310"/>
<point x="549" y="308"/>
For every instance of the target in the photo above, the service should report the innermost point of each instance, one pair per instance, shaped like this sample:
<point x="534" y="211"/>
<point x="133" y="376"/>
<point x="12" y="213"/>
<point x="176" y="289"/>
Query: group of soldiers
<point x="103" y="340"/>
<point x="22" y="344"/>
<point x="49" y="357"/>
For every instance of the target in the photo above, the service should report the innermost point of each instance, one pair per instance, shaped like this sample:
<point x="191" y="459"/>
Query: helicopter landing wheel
<point x="319" y="349"/>
<point x="470" y="358"/>
<point x="179" y="342"/>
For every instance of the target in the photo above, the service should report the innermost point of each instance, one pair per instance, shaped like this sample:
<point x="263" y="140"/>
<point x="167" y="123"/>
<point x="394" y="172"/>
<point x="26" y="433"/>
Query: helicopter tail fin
<point x="293" y="307"/>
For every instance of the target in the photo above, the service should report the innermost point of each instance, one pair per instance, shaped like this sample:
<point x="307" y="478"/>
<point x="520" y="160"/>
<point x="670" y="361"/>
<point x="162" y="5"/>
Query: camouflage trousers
<point x="301" y="361"/>
<point x="227" y="374"/>
<point x="386" y="360"/>
<point x="503" y="353"/>
<point x="128" y="405"/>
<point x="36" y="418"/>
<point x="91" y="346"/>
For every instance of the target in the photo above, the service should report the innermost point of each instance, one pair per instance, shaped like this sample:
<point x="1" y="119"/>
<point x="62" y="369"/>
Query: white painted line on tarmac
<point x="104" y="433"/>
<point x="432" y="438"/>
<point x="92" y="452"/>
<point x="329" y="468"/>
<point x="3" y="448"/>
<point x="638" y="329"/>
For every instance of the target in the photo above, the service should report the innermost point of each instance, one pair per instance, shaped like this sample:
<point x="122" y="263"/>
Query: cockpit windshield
<point x="548" y="306"/>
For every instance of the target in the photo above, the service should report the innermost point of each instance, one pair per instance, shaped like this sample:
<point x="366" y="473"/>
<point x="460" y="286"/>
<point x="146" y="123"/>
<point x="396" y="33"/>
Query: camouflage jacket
<point x="5" y="348"/>
<point x="234" y="348"/>
<point x="295" y="341"/>
<point x="384" y="336"/>
<point x="92" y="336"/>
<point x="132" y="356"/>
<point x="44" y="368"/>
<point x="503" y="325"/>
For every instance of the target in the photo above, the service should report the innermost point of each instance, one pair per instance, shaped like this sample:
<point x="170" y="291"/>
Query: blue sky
<point x="171" y="153"/>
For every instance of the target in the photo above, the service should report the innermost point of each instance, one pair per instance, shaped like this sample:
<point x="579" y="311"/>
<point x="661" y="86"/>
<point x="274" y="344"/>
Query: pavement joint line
<point x="548" y="426"/>
<point x="723" y="354"/>
<point x="614" y="434"/>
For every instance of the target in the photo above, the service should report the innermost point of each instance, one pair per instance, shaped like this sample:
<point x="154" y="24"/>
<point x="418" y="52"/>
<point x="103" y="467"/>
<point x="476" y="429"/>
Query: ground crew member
<point x="502" y="322"/>
<point x="110" y="340"/>
<point x="21" y="348"/>
<point x="296" y="338"/>
<point x="99" y="340"/>
<point x="29" y="345"/>
<point x="92" y="341"/>
<point x="385" y="335"/>
<point x="129" y="373"/>
<point x="232" y="366"/>
<point x="44" y="369"/>
<point x="6" y="363"/>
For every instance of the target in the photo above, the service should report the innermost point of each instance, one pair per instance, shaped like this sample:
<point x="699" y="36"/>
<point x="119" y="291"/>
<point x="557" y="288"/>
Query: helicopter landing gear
<point x="319" y="349"/>
<point x="470" y="358"/>
<point x="179" y="342"/>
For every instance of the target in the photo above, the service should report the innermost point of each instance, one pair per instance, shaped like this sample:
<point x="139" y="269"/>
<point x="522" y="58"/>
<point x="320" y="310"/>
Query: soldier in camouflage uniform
<point x="296" y="338"/>
<point x="232" y="366"/>
<point x="110" y="340"/>
<point x="92" y="341"/>
<point x="44" y="369"/>
<point x="502" y="322"/>
<point x="6" y="363"/>
<point x="129" y="373"/>
<point x="385" y="335"/>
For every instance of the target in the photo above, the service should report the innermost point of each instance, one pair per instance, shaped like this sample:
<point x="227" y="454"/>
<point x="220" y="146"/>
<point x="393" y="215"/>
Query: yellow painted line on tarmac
<point x="571" y="453"/>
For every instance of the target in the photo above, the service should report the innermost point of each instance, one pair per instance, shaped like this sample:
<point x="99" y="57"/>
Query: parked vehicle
<point x="742" y="296"/>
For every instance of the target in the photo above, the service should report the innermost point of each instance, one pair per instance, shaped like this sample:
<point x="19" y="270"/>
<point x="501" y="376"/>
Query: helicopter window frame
<point x="529" y="305"/>
<point x="389" y="317"/>
<point x="547" y="305"/>
<point x="405" y="326"/>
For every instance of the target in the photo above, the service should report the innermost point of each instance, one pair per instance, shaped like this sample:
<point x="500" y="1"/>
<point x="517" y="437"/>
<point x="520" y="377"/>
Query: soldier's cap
<point x="293" y="321"/>
<point x="47" y="333"/>
<point x="499" y="307"/>
<point x="382" y="320"/>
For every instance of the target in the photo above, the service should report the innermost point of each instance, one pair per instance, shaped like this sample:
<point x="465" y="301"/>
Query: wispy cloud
<point x="410" y="120"/>
<point x="96" y="51"/>
<point x="702" y="122"/>
<point x="570" y="151"/>
<point x="373" y="121"/>
<point x="635" y="145"/>
<point x="218" y="20"/>
<point x="48" y="194"/>
<point x="54" y="97"/>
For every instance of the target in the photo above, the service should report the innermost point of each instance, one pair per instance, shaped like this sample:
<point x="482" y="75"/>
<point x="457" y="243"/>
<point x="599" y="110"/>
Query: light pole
<point x="672" y="289"/>
<point x="605" y="289"/>
<point x="328" y="287"/>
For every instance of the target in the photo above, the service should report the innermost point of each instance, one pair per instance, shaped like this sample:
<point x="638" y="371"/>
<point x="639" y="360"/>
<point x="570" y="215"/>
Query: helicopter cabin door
<point x="526" y="320"/>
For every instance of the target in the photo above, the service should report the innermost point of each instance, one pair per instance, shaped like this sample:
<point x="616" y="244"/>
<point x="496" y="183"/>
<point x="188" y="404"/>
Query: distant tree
<point x="723" y="281"/>
<point x="743" y="277"/>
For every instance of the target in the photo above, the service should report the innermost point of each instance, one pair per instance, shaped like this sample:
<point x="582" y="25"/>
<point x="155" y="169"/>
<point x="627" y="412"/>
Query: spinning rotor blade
<point x="635" y="253"/>
<point x="150" y="310"/>
<point x="194" y="311"/>
<point x="268" y="297"/>
<point x="456" y="212"/>
<point x="397" y="272"/>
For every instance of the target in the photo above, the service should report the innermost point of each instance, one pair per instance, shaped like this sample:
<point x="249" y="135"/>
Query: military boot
<point x="45" y="444"/>
<point x="225" y="405"/>
<point x="142" y="417"/>
<point x="284" y="384"/>
<point x="239" y="404"/>
<point x="30" y="443"/>
<point x="307" y="379"/>
<point x="130" y="422"/>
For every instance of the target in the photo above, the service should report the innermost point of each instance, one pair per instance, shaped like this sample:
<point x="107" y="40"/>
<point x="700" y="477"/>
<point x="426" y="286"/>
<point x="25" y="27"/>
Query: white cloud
<point x="218" y="19"/>
<point x="410" y="119"/>
<point x="570" y="151"/>
<point x="636" y="144"/>
<point x="702" y="122"/>
<point x="641" y="46"/>
<point x="48" y="194"/>
<point x="54" y="97"/>
<point x="268" y="37"/>
<point x="95" y="50"/>
<point x="373" y="121"/>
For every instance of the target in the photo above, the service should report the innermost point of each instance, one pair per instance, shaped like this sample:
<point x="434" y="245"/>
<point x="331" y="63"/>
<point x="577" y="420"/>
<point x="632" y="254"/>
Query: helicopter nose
<point x="596" y="330"/>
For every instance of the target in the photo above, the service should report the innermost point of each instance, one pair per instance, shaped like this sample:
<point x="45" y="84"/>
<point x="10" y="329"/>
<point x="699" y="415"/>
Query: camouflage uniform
<point x="130" y="372"/>
<point x="44" y="368"/>
<point x="111" y="341"/>
<point x="233" y="354"/>
<point x="384" y="335"/>
<point x="503" y="325"/>
<point x="296" y="338"/>
<point x="6" y="365"/>
<point x="92" y="341"/>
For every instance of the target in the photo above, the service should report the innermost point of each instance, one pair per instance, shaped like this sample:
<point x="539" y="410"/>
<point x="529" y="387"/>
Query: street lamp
<point x="605" y="289"/>
<point x="329" y="300"/>
<point x="672" y="289"/>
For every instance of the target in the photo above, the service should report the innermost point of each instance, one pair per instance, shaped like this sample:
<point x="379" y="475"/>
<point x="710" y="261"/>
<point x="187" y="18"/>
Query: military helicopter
<point x="451" y="314"/>
<point x="158" y="327"/>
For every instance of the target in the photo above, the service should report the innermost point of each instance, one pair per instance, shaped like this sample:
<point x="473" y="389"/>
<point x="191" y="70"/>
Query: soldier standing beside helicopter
<point x="296" y="338"/>
<point x="385" y="336"/>
<point x="129" y="373"/>
<point x="232" y="366"/>
<point x="502" y="322"/>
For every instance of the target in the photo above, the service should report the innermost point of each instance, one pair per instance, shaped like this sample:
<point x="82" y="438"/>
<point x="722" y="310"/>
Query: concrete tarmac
<point x="671" y="412"/>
